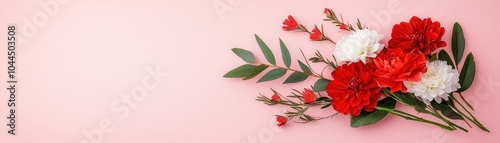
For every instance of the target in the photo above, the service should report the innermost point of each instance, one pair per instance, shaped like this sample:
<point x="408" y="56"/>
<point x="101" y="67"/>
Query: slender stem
<point x="461" y="96"/>
<point x="329" y="39"/>
<point x="474" y="120"/>
<point x="437" y="115"/>
<point x="462" y="114"/>
<point x="310" y="74"/>
<point x="413" y="117"/>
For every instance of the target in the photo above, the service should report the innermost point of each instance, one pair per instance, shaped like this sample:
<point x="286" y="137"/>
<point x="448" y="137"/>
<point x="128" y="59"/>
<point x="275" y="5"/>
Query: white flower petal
<point x="439" y="80"/>
<point x="358" y="46"/>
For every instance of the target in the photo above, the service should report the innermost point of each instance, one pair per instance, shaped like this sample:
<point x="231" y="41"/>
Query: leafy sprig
<point x="250" y="70"/>
<point x="331" y="16"/>
<point x="299" y="107"/>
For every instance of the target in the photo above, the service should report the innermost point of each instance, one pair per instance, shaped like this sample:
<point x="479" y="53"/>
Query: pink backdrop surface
<point x="81" y="60"/>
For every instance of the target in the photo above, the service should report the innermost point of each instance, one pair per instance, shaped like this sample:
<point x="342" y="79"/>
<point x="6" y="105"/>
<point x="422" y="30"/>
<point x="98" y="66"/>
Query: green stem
<point x="437" y="115"/>
<point x="413" y="117"/>
<point x="310" y="74"/>
<point x="462" y="114"/>
<point x="461" y="96"/>
<point x="474" y="120"/>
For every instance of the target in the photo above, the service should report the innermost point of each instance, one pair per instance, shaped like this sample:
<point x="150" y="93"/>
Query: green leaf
<point x="323" y="99"/>
<point x="410" y="100"/>
<point x="468" y="72"/>
<point x="296" y="77"/>
<point x="304" y="67"/>
<point x="265" y="49"/>
<point x="326" y="106"/>
<point x="443" y="56"/>
<point x="446" y="110"/>
<point x="241" y="71"/>
<point x="287" y="59"/>
<point x="272" y="75"/>
<point x="256" y="71"/>
<point x="320" y="85"/>
<point x="368" y="118"/>
<point x="457" y="43"/>
<point x="247" y="56"/>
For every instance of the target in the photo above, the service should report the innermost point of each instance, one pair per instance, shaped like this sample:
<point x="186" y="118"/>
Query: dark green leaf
<point x="443" y="56"/>
<point x="304" y="67"/>
<point x="468" y="72"/>
<point x="265" y="49"/>
<point x="320" y="85"/>
<point x="296" y="77"/>
<point x="256" y="71"/>
<point x="410" y="100"/>
<point x="323" y="99"/>
<point x="368" y="118"/>
<point x="272" y="75"/>
<point x="326" y="106"/>
<point x="287" y="59"/>
<point x="446" y="111"/>
<point x="247" y="56"/>
<point x="457" y="43"/>
<point x="241" y="71"/>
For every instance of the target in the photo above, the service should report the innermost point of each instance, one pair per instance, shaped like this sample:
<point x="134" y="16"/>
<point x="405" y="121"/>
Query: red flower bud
<point x="309" y="96"/>
<point x="344" y="27"/>
<point x="316" y="35"/>
<point x="290" y="24"/>
<point x="276" y="98"/>
<point x="328" y="12"/>
<point x="281" y="120"/>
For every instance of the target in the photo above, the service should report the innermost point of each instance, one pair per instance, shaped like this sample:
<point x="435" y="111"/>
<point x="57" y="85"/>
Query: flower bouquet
<point x="369" y="78"/>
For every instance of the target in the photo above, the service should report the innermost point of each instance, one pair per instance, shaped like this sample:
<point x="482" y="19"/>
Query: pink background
<point x="89" y="54"/>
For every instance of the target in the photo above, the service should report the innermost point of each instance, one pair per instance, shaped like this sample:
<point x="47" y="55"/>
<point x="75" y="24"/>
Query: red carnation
<point x="422" y="35"/>
<point x="316" y="35"/>
<point x="290" y="24"/>
<point x="309" y="96"/>
<point x="395" y="66"/>
<point x="353" y="89"/>
<point x="276" y="98"/>
<point x="281" y="120"/>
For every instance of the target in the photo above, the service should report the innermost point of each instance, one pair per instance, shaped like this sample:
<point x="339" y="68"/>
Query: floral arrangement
<point x="368" y="78"/>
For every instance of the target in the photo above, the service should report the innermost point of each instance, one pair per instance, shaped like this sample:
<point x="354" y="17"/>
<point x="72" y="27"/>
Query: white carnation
<point x="439" y="80"/>
<point x="359" y="45"/>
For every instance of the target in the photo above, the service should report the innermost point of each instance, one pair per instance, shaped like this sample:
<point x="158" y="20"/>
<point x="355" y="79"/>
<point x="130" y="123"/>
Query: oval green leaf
<point x="287" y="59"/>
<point x="443" y="56"/>
<point x="320" y="85"/>
<point x="247" y="56"/>
<point x="265" y="50"/>
<point x="368" y="118"/>
<point x="304" y="67"/>
<point x="256" y="71"/>
<point x="296" y="77"/>
<point x="457" y="43"/>
<point x="468" y="72"/>
<point x="241" y="71"/>
<point x="273" y="74"/>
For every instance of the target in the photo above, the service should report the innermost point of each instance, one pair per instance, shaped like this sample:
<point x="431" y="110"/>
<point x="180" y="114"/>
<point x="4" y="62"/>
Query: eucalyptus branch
<point x="310" y="74"/>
